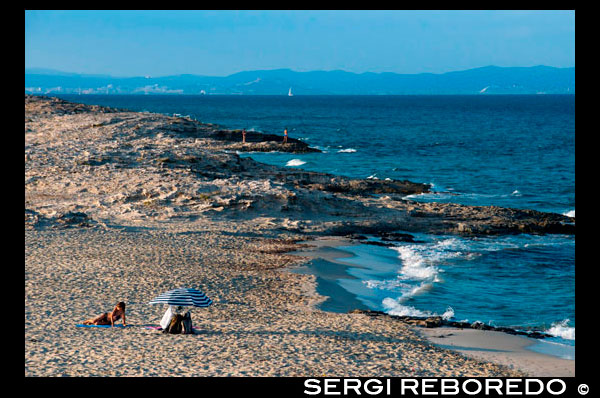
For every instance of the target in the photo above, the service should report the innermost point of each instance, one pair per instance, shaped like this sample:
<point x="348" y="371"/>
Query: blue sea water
<point x="512" y="151"/>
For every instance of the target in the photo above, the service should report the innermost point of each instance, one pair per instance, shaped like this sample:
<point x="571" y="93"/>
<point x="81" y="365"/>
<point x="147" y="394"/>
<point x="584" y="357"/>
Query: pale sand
<point x="501" y="348"/>
<point x="492" y="346"/>
<point x="263" y="321"/>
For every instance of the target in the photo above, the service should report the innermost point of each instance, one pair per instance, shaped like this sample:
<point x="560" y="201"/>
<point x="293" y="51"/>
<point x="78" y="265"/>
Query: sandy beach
<point x="262" y="323"/>
<point x="501" y="348"/>
<point x="122" y="206"/>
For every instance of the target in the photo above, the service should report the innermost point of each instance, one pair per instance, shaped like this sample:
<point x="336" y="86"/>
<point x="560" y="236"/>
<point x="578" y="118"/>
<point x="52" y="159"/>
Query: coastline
<point x="501" y="348"/>
<point x="497" y="347"/>
<point x="122" y="206"/>
<point x="263" y="321"/>
<point x="325" y="265"/>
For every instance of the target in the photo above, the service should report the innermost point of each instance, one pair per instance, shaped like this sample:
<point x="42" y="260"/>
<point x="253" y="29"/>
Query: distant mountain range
<point x="485" y="80"/>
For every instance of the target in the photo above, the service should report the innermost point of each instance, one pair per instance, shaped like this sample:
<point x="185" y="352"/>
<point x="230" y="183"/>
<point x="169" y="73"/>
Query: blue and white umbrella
<point x="183" y="297"/>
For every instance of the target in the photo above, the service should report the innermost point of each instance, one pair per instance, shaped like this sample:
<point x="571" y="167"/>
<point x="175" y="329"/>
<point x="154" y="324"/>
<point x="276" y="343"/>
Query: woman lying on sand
<point x="109" y="318"/>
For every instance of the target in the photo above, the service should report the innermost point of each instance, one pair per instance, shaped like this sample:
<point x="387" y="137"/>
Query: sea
<point x="514" y="151"/>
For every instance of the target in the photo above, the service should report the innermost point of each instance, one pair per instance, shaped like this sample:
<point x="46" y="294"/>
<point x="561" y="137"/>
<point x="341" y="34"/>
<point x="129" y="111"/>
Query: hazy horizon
<point x="130" y="43"/>
<point x="43" y="70"/>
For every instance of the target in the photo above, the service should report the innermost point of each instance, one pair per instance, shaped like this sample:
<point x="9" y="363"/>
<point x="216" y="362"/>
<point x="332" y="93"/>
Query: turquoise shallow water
<point x="519" y="281"/>
<point x="511" y="151"/>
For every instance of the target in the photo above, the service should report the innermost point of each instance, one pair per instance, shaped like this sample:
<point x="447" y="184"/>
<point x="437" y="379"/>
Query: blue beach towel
<point x="80" y="325"/>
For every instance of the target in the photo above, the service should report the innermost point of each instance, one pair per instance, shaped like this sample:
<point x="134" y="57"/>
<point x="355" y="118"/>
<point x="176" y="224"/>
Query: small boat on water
<point x="290" y="93"/>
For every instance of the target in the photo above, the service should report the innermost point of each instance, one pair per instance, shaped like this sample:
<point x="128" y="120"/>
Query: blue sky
<point x="219" y="43"/>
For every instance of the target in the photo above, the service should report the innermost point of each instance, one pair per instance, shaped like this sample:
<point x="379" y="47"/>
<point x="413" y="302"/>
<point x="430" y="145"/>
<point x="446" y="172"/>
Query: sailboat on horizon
<point x="290" y="93"/>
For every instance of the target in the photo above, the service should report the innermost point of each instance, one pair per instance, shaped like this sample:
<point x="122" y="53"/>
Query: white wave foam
<point x="295" y="162"/>
<point x="394" y="307"/>
<point x="347" y="150"/>
<point x="570" y="213"/>
<point x="516" y="193"/>
<point x="419" y="272"/>
<point x="429" y="196"/>
<point x="418" y="289"/>
<point x="414" y="265"/>
<point x="450" y="244"/>
<point x="562" y="330"/>
<point x="418" y="261"/>
<point x="389" y="284"/>
<point x="448" y="314"/>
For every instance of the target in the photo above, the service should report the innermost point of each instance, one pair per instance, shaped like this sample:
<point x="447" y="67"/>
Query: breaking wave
<point x="295" y="162"/>
<point x="562" y="330"/>
<point x="570" y="213"/>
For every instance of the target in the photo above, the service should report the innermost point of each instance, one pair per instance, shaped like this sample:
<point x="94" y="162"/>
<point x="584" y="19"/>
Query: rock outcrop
<point x="123" y="167"/>
<point x="438" y="321"/>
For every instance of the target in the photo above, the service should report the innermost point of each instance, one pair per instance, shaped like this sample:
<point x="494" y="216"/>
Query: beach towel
<point x="80" y="325"/>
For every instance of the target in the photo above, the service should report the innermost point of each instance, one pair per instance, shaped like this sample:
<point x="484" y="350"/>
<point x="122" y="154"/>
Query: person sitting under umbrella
<point x="109" y="318"/>
<point x="172" y="320"/>
<point x="168" y="315"/>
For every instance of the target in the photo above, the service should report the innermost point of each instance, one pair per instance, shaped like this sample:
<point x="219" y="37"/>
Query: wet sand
<point x="501" y="348"/>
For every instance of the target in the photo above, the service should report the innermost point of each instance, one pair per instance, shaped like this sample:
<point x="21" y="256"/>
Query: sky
<point x="219" y="43"/>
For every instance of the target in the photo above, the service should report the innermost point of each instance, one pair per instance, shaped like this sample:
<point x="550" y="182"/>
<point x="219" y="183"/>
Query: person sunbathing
<point x="109" y="318"/>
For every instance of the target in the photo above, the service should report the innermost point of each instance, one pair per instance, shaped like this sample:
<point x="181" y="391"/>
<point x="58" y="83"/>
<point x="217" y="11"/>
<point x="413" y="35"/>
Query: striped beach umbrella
<point x="183" y="297"/>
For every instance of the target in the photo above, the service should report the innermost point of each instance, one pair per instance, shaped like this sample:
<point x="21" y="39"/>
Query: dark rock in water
<point x="429" y="322"/>
<point x="369" y="187"/>
<point x="364" y="240"/>
<point x="537" y="335"/>
<point x="434" y="321"/>
<point x="356" y="236"/>
<point x="459" y="325"/>
<point x="506" y="330"/>
<point x="437" y="321"/>
<point x="480" y="326"/>
<point x="397" y="237"/>
<point x="377" y="243"/>
<point x="260" y="142"/>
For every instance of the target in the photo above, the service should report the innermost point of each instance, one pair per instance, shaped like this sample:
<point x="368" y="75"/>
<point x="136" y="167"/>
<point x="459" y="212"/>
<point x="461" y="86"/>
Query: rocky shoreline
<point x="123" y="205"/>
<point x="438" y="321"/>
<point x="174" y="167"/>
